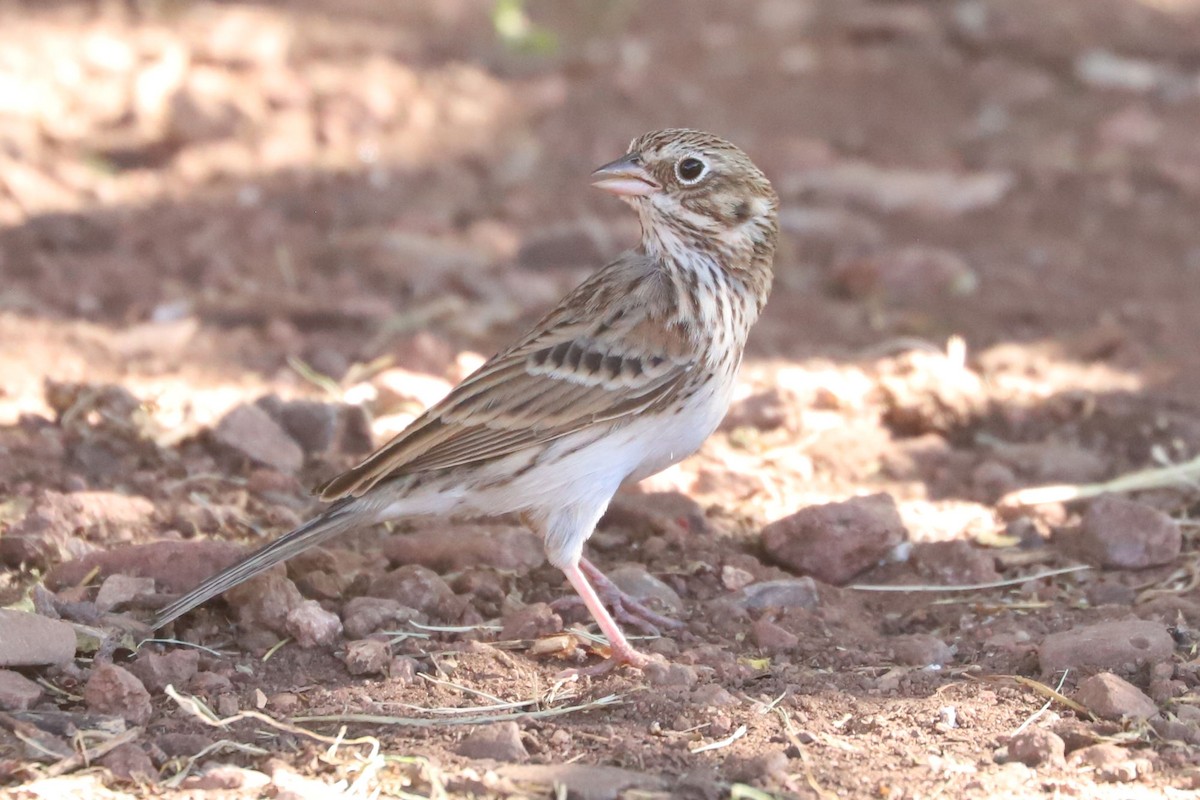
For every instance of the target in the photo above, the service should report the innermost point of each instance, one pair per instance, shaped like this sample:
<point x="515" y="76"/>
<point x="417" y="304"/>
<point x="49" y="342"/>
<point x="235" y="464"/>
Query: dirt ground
<point x="989" y="280"/>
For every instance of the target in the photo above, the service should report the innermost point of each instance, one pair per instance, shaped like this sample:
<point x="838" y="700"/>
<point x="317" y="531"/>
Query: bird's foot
<point x="618" y="656"/>
<point x="627" y="608"/>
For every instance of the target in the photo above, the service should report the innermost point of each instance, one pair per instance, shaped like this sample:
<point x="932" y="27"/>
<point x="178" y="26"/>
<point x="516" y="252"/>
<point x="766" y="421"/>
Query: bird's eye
<point x="690" y="170"/>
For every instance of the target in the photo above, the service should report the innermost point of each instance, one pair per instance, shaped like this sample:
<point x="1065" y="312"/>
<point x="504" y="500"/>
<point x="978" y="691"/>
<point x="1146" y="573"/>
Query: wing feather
<point x="610" y="350"/>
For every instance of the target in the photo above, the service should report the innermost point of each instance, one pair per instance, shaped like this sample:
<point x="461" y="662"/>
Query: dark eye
<point x="690" y="169"/>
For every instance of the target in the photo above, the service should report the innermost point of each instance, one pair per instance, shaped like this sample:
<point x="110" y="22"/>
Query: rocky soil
<point x="241" y="244"/>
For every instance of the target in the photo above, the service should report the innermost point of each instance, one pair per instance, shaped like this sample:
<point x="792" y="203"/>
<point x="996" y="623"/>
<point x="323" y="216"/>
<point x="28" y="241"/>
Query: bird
<point x="629" y="374"/>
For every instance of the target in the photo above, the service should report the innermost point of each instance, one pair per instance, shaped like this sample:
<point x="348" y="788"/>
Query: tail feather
<point x="339" y="518"/>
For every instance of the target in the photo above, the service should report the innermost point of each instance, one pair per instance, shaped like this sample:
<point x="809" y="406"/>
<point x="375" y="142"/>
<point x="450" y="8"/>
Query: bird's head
<point x="696" y="192"/>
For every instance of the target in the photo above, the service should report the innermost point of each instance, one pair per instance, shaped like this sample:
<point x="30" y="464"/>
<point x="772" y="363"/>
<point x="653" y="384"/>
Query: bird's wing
<point x="611" y="349"/>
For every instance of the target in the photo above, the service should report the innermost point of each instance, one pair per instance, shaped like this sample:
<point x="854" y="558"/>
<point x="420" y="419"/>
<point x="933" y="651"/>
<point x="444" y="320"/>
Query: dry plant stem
<point x="1153" y="478"/>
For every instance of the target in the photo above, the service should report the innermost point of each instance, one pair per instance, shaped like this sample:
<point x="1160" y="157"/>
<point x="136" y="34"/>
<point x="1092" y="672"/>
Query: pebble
<point x="639" y="584"/>
<point x="1111" y="697"/>
<point x="1118" y="646"/>
<point x="367" y="657"/>
<point x="420" y="588"/>
<point x="227" y="778"/>
<point x="51" y="529"/>
<point x="1125" y="534"/>
<point x="320" y="428"/>
<point x="17" y="693"/>
<point x="447" y="547"/>
<point x="157" y="671"/>
<point x="115" y="690"/>
<point x="129" y="762"/>
<point x="771" y="638"/>
<point x="117" y="590"/>
<point x="1110" y="763"/>
<point x="930" y="393"/>
<point x="1034" y="747"/>
<point x="921" y="650"/>
<point x="587" y="781"/>
<point x="500" y="741"/>
<point x="175" y="566"/>
<point x="249" y="430"/>
<point x="31" y="640"/>
<point x="836" y="541"/>
<point x="363" y="616"/>
<point x="954" y="563"/>
<point x="671" y="674"/>
<point x="312" y="626"/>
<point x="764" y="410"/>
<point x="265" y="602"/>
<point x="785" y="593"/>
<point x="530" y="622"/>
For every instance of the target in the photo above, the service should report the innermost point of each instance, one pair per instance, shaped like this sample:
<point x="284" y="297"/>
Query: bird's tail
<point x="337" y="519"/>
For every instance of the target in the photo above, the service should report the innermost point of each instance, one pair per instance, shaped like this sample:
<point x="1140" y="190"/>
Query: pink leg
<point x="622" y="651"/>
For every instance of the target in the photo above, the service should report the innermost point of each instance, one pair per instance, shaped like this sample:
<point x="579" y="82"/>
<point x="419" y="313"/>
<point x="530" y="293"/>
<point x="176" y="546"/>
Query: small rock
<point x="321" y="428"/>
<point x="771" y="638"/>
<point x="954" y="563"/>
<point x="530" y="622"/>
<point x="129" y="762"/>
<point x="284" y="702"/>
<point x="17" y="693"/>
<point x="911" y="274"/>
<point x="403" y="670"/>
<point x="367" y="657"/>
<point x="931" y="393"/>
<point x="115" y="690"/>
<point x="420" y="588"/>
<point x="453" y="547"/>
<point x="210" y="685"/>
<point x="734" y="578"/>
<point x="175" y="745"/>
<point x="654" y="512"/>
<point x="1112" y="697"/>
<point x="500" y="741"/>
<point x="672" y="674"/>
<point x="1053" y="462"/>
<point x="836" y="541"/>
<point x="227" y="778"/>
<point x="117" y="590"/>
<point x="770" y="766"/>
<point x="586" y="781"/>
<point x="639" y="584"/>
<point x="936" y="193"/>
<point x="400" y="389"/>
<point x="713" y="695"/>
<point x="363" y="616"/>
<point x="157" y="671"/>
<point x="31" y="640"/>
<point x="249" y="430"/>
<point x="265" y="602"/>
<point x="921" y="650"/>
<point x="786" y="593"/>
<point x="1036" y="746"/>
<point x="1118" y="646"/>
<point x="312" y="626"/>
<point x="174" y="566"/>
<point x="1111" y="763"/>
<point x="1125" y="534"/>
<point x="48" y="533"/>
<point x="764" y="411"/>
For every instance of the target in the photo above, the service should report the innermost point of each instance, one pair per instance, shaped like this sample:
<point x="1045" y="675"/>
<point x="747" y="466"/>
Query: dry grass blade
<point x="1044" y="691"/>
<point x="420" y="722"/>
<point x="224" y="744"/>
<point x="87" y="755"/>
<point x="967" y="587"/>
<point x="1046" y="706"/>
<point x="728" y="740"/>
<point x="1152" y="478"/>
<point x="203" y="713"/>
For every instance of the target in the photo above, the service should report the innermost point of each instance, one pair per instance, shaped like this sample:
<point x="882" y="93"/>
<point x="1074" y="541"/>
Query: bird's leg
<point x="626" y="608"/>
<point x="621" y="651"/>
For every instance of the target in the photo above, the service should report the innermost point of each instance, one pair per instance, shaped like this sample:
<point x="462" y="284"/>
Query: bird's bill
<point x="625" y="177"/>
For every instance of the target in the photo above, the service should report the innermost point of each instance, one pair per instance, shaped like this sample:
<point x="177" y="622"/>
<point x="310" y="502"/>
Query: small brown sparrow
<point x="628" y="375"/>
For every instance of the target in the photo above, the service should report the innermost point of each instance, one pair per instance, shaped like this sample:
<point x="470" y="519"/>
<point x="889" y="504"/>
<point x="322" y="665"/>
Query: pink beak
<point x="625" y="177"/>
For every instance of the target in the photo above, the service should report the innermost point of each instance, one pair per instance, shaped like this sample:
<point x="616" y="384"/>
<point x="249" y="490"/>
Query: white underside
<point x="569" y="489"/>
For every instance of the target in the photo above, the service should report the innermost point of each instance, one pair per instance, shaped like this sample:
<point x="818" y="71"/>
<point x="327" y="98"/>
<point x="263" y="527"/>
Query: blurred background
<point x="988" y="278"/>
